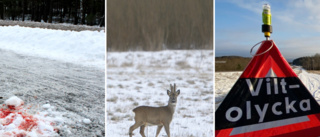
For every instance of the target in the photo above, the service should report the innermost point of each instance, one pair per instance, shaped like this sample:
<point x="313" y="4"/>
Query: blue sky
<point x="296" y="26"/>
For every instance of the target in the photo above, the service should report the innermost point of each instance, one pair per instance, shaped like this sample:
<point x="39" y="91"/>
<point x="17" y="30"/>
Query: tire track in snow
<point x="312" y="83"/>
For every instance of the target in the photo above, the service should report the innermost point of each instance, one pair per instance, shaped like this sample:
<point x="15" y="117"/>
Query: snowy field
<point x="225" y="80"/>
<point x="142" y="78"/>
<point x="59" y="76"/>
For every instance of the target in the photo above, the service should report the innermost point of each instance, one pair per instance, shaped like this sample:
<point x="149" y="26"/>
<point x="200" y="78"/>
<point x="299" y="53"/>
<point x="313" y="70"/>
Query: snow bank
<point x="17" y="122"/>
<point x="84" y="48"/>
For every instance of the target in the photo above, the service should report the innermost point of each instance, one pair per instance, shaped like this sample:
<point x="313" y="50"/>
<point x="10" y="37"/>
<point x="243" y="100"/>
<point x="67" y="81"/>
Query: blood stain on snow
<point x="23" y="122"/>
<point x="28" y="124"/>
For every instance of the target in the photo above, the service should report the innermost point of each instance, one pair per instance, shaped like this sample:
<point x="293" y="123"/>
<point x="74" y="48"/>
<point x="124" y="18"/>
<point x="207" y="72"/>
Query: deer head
<point x="173" y="94"/>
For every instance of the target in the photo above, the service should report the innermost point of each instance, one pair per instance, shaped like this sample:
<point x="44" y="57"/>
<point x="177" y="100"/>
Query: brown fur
<point x="160" y="116"/>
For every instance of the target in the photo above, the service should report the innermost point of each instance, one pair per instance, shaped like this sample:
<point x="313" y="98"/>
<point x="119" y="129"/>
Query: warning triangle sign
<point x="268" y="100"/>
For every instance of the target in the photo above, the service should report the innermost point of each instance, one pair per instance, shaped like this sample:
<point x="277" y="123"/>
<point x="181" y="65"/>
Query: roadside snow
<point x="84" y="47"/>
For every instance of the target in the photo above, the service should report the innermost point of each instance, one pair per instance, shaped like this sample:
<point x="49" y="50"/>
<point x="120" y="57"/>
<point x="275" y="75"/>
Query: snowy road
<point x="312" y="83"/>
<point x="77" y="92"/>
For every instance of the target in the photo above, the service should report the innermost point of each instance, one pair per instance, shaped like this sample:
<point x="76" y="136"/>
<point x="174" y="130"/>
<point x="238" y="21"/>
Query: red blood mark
<point x="20" y="135"/>
<point x="15" y="107"/>
<point x="9" y="120"/>
<point x="5" y="112"/>
<point x="8" y="134"/>
<point x="29" y="123"/>
<point x="56" y="130"/>
<point x="11" y="107"/>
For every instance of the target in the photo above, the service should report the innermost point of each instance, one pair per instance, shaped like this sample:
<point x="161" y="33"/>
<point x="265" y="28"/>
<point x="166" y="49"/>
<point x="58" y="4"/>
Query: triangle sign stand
<point x="268" y="100"/>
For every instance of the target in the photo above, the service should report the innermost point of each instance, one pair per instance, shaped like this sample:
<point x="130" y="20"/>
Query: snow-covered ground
<point x="142" y="78"/>
<point x="85" y="47"/>
<point x="225" y="80"/>
<point x="60" y="77"/>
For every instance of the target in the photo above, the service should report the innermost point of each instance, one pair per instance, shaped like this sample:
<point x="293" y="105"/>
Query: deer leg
<point x="166" y="127"/>
<point x="142" y="130"/>
<point x="158" y="130"/>
<point x="133" y="127"/>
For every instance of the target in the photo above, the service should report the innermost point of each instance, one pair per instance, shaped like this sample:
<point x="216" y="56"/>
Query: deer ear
<point x="178" y="91"/>
<point x="168" y="92"/>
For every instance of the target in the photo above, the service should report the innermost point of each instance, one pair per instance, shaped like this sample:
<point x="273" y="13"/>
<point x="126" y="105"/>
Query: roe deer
<point x="160" y="116"/>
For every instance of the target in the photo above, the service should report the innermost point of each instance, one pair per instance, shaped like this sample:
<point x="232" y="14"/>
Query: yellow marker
<point x="266" y="19"/>
<point x="266" y="14"/>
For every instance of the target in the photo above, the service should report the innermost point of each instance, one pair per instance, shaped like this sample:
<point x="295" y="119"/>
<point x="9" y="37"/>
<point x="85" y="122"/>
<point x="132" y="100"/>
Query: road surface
<point x="76" y="91"/>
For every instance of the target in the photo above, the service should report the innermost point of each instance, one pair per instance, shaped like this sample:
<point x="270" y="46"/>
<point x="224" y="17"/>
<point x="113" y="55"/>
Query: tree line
<point x="151" y="25"/>
<point x="86" y="12"/>
<point x="231" y="63"/>
<point x="308" y="62"/>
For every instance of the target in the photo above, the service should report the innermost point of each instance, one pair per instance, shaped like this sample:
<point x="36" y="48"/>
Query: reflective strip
<point x="266" y="125"/>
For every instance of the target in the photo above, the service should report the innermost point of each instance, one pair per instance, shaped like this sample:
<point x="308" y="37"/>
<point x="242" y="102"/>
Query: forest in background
<point x="237" y="63"/>
<point x="308" y="62"/>
<point x="84" y="12"/>
<point x="151" y="25"/>
<point x="231" y="63"/>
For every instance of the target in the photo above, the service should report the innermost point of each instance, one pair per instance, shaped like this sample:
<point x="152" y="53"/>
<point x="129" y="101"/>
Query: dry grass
<point x="126" y="64"/>
<point x="152" y="25"/>
<point x="183" y="64"/>
<point x="314" y="71"/>
<point x="192" y="82"/>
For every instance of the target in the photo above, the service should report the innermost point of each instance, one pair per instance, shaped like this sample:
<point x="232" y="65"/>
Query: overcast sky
<point x="296" y="26"/>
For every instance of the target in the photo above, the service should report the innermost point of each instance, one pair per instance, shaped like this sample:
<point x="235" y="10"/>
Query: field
<point x="142" y="78"/>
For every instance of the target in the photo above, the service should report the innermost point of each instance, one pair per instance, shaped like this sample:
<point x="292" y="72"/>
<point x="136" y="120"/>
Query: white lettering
<point x="248" y="110"/>
<point x="275" y="82"/>
<point x="306" y="101"/>
<point x="261" y="113"/>
<point x="283" y="84"/>
<point x="289" y="105"/>
<point x="236" y="118"/>
<point x="252" y="91"/>
<point x="268" y="86"/>
<point x="234" y="114"/>
<point x="294" y="86"/>
<point x="274" y="108"/>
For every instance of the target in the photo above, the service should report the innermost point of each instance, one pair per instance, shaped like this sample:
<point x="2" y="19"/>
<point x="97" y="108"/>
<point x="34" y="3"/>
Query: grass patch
<point x="191" y="82"/>
<point x="114" y="99"/>
<point x="151" y="84"/>
<point x="183" y="64"/>
<point x="126" y="64"/>
<point x="136" y="104"/>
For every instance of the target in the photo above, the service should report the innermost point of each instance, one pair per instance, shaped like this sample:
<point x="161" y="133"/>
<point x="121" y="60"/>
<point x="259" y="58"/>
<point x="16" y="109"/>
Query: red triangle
<point x="268" y="57"/>
<point x="271" y="59"/>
